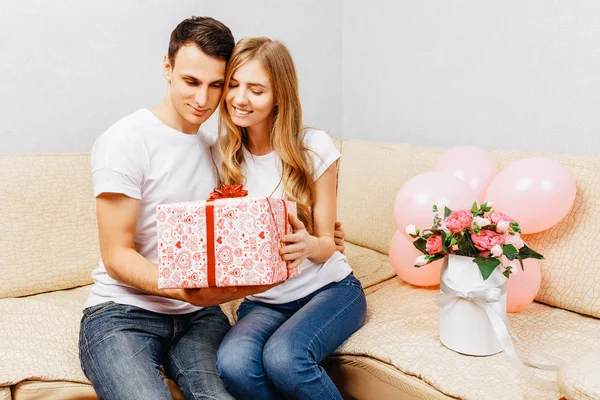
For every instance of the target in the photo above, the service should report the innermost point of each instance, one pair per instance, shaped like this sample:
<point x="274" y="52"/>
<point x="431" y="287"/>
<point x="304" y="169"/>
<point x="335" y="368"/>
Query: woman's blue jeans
<point x="274" y="350"/>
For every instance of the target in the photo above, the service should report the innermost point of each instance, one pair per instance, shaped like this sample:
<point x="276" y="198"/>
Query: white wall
<point x="514" y="74"/>
<point x="71" y="68"/>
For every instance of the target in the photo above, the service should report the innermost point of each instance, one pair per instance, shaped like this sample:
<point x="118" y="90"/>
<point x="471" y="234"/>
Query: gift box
<point x="229" y="240"/>
<point x="473" y="310"/>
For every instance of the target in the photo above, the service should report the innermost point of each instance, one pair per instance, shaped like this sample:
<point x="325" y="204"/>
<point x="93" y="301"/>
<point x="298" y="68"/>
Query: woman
<point x="282" y="335"/>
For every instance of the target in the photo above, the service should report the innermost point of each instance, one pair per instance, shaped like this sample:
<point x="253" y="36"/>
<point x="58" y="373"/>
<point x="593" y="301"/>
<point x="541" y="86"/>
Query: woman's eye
<point x="257" y="93"/>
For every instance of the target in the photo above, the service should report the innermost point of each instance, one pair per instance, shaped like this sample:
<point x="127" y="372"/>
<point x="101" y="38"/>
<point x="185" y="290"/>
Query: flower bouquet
<point x="473" y="244"/>
<point x="481" y="233"/>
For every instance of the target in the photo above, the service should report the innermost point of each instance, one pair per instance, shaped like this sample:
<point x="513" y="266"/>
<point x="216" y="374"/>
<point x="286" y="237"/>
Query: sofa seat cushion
<point x="39" y="337"/>
<point x="5" y="393"/>
<point x="402" y="329"/>
<point x="369" y="267"/>
<point x="580" y="379"/>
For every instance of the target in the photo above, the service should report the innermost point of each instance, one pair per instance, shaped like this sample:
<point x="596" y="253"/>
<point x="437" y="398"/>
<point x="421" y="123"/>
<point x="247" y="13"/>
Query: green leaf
<point x="475" y="208"/>
<point x="435" y="209"/>
<point x="421" y="244"/>
<point x="485" y="207"/>
<point x="510" y="251"/>
<point x="526" y="252"/>
<point x="466" y="247"/>
<point x="486" y="265"/>
<point x="436" y="257"/>
<point x="447" y="212"/>
<point x="446" y="239"/>
<point x="507" y="271"/>
<point x="521" y="262"/>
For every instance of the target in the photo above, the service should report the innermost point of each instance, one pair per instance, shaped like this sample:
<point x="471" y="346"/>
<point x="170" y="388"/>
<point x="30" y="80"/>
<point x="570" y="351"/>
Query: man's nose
<point x="201" y="97"/>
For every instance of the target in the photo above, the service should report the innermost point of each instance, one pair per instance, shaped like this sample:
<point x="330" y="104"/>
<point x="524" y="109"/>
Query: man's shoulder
<point x="126" y="130"/>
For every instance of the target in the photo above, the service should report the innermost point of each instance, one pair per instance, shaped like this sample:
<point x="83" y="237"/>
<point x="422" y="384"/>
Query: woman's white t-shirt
<point x="144" y="159"/>
<point x="263" y="175"/>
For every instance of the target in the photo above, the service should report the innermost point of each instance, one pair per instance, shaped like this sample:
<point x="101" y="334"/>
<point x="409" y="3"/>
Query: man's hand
<point x="338" y="236"/>
<point x="206" y="297"/>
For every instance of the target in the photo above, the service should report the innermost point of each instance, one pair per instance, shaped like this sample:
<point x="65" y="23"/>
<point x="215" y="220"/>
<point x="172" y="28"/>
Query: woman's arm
<point x="321" y="245"/>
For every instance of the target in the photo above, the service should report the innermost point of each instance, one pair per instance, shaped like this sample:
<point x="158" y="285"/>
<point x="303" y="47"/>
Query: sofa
<point x="49" y="246"/>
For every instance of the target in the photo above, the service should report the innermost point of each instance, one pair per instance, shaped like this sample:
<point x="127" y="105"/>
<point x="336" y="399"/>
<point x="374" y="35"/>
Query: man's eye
<point x="233" y="85"/>
<point x="191" y="83"/>
<point x="217" y="85"/>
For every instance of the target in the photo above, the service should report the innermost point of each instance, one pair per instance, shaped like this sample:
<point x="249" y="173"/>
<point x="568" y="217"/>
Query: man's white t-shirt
<point x="144" y="159"/>
<point x="263" y="175"/>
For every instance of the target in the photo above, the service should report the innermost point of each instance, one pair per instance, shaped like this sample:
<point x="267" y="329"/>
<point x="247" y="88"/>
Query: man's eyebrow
<point x="187" y="76"/>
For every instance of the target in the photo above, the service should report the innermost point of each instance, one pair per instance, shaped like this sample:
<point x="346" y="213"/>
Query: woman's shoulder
<point x="316" y="139"/>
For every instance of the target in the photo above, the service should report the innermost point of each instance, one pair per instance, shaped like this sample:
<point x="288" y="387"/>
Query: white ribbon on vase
<point x="484" y="298"/>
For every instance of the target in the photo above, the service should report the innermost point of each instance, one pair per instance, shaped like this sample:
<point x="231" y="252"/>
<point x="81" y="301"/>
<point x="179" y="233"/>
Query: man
<point x="130" y="328"/>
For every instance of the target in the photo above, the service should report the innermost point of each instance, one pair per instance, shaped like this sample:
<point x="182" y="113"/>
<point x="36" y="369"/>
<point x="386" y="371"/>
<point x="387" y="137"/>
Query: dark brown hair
<point x="208" y="34"/>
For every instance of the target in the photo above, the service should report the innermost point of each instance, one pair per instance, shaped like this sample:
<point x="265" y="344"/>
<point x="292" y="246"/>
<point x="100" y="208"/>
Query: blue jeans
<point x="122" y="349"/>
<point x="274" y="350"/>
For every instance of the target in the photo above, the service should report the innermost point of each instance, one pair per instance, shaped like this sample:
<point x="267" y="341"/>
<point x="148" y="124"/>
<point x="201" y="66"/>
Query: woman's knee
<point x="287" y="357"/>
<point x="237" y="360"/>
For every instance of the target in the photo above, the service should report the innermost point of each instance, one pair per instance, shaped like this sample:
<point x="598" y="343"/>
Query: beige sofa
<point x="48" y="247"/>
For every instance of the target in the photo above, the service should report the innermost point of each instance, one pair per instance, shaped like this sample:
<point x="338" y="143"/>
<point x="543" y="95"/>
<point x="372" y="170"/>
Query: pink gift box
<point x="223" y="242"/>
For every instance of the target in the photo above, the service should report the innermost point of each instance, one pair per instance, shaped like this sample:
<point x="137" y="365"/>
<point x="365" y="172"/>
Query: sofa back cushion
<point x="371" y="173"/>
<point x="49" y="238"/>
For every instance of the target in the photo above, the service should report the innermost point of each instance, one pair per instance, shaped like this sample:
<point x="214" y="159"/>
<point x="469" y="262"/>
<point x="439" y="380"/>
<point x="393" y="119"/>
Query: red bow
<point x="228" y="191"/>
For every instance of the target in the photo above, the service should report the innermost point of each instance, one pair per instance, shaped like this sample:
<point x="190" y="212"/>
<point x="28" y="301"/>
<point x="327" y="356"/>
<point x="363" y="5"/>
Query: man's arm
<point x="117" y="220"/>
<point x="338" y="235"/>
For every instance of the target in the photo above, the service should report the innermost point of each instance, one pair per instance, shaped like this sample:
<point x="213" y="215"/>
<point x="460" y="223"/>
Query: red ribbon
<point x="228" y="192"/>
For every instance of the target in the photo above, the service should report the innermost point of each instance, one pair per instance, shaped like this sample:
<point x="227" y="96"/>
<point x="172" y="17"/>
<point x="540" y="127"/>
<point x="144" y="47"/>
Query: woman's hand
<point x="299" y="245"/>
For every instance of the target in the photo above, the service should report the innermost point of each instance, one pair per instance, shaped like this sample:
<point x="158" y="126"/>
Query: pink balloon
<point x="472" y="165"/>
<point x="523" y="285"/>
<point x="415" y="199"/>
<point x="537" y="192"/>
<point x="402" y="257"/>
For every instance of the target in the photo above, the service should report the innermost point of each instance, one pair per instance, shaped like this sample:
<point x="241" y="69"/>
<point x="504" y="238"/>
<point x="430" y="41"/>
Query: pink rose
<point x="434" y="244"/>
<point x="458" y="220"/>
<point x="497" y="216"/>
<point x="515" y="240"/>
<point x="486" y="239"/>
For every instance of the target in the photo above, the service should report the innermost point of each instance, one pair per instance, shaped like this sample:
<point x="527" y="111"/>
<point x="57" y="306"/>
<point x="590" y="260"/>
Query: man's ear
<point x="167" y="68"/>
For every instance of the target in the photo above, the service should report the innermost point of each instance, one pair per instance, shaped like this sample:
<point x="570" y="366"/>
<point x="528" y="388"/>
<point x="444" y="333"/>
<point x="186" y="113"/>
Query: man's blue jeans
<point x="274" y="350"/>
<point x="122" y="348"/>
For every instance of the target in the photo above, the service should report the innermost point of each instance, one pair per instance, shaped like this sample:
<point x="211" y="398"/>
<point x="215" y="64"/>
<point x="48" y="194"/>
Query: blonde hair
<point x="286" y="129"/>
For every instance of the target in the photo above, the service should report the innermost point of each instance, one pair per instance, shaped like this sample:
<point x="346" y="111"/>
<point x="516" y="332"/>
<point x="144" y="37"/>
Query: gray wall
<point x="72" y="68"/>
<point x="512" y="74"/>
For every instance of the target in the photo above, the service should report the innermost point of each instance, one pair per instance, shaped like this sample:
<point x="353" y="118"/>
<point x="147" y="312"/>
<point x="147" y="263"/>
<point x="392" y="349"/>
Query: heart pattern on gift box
<point x="245" y="246"/>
